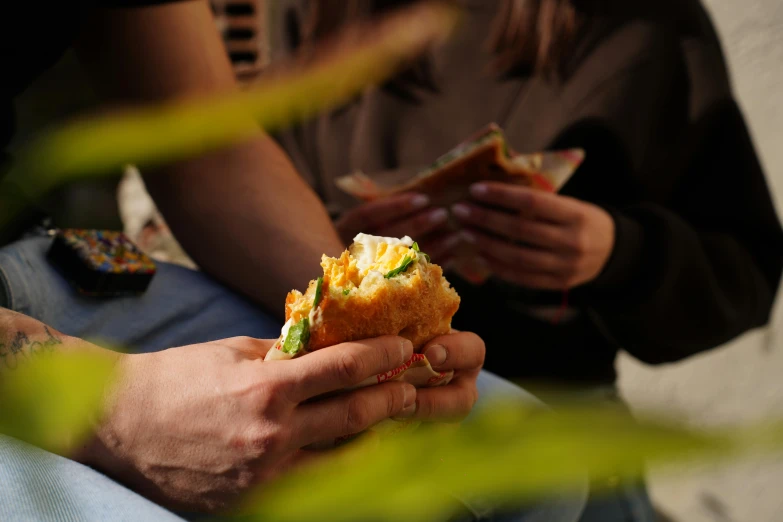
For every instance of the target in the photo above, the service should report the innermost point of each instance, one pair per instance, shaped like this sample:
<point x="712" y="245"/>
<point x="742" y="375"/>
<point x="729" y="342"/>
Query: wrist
<point x="98" y="449"/>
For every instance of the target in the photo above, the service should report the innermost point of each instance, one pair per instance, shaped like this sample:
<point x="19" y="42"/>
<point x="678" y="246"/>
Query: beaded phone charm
<point x="101" y="263"/>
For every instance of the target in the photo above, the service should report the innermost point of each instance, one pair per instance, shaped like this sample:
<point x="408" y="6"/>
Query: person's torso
<point x="390" y="136"/>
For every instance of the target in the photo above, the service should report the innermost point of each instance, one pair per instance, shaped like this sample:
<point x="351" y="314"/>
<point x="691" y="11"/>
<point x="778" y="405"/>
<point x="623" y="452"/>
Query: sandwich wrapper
<point x="484" y="156"/>
<point x="418" y="372"/>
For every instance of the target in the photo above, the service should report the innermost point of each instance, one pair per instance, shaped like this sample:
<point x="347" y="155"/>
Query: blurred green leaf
<point x="507" y="456"/>
<point x="152" y="135"/>
<point x="50" y="400"/>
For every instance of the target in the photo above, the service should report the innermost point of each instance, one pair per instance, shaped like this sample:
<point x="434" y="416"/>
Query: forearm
<point x="24" y="339"/>
<point x="242" y="213"/>
<point x="24" y="343"/>
<point x="247" y="218"/>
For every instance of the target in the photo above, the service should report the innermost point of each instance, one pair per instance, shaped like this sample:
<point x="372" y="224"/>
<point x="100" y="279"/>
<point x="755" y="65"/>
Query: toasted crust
<point x="450" y="184"/>
<point x="418" y="306"/>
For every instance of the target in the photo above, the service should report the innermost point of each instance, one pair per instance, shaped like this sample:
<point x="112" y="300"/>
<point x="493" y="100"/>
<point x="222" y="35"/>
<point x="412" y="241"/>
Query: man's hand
<point x="537" y="239"/>
<point x="406" y="214"/>
<point x="462" y="352"/>
<point x="194" y="427"/>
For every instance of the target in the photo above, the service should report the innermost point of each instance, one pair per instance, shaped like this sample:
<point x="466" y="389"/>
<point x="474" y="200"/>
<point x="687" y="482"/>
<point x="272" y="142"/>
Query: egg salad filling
<point x="370" y="261"/>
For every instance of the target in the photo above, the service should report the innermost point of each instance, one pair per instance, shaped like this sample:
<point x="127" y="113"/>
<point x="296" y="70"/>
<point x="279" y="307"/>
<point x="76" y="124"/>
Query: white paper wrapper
<point x="417" y="371"/>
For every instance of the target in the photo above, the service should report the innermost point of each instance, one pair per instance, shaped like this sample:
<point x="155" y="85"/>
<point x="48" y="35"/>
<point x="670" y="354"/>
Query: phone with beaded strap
<point x="101" y="263"/>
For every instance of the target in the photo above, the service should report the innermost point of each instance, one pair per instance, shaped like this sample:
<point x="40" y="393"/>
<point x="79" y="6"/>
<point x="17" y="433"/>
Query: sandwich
<point x="485" y="156"/>
<point x="379" y="286"/>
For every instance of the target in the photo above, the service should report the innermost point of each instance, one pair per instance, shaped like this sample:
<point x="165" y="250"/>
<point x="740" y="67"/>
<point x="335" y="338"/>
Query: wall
<point x="744" y="380"/>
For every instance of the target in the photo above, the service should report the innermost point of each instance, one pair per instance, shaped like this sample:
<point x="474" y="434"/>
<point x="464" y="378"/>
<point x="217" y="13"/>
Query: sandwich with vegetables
<point x="485" y="156"/>
<point x="379" y="286"/>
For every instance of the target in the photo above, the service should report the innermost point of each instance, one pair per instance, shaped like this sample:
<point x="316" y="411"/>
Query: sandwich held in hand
<point x="486" y="156"/>
<point x="379" y="286"/>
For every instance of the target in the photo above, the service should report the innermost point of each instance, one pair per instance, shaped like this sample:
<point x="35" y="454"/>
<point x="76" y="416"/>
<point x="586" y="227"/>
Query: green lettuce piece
<point x="415" y="248"/>
<point x="318" y="291"/>
<point x="406" y="263"/>
<point x="297" y="337"/>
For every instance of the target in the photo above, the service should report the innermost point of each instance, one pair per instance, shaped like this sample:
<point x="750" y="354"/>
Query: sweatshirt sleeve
<point x="696" y="273"/>
<point x="699" y="247"/>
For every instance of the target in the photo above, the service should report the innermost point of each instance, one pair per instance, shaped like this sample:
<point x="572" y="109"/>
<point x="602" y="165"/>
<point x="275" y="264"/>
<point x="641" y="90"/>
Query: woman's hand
<point x="537" y="239"/>
<point x="462" y="352"/>
<point x="401" y="215"/>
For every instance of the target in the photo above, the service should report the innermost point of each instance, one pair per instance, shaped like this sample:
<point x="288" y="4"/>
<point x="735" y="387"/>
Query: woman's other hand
<point x="537" y="239"/>
<point x="407" y="214"/>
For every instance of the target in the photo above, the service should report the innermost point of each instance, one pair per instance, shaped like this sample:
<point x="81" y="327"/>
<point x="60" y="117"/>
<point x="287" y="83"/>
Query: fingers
<point x="352" y="412"/>
<point x="456" y="351"/>
<point x="376" y="213"/>
<point x="512" y="226"/>
<point x="524" y="258"/>
<point x="342" y="366"/>
<point x="448" y="403"/>
<point x="441" y="248"/>
<point x="528" y="202"/>
<point x="528" y="279"/>
<point x="416" y="225"/>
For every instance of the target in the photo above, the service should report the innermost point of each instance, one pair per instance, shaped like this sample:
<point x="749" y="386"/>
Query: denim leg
<point x="563" y="507"/>
<point x="180" y="307"/>
<point x="628" y="503"/>
<point x="38" y="485"/>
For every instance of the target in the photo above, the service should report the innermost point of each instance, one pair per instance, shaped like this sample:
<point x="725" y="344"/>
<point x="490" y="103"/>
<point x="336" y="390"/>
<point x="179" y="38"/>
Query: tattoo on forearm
<point x="21" y="348"/>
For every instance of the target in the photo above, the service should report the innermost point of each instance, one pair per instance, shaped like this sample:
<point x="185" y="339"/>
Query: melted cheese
<point x="382" y="254"/>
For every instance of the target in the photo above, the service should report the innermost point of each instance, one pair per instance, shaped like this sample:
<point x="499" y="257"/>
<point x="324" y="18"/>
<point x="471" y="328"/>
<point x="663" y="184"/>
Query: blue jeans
<point x="180" y="307"/>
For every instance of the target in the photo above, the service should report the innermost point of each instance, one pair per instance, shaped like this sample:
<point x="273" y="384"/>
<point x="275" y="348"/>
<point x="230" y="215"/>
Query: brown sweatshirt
<point x="699" y="247"/>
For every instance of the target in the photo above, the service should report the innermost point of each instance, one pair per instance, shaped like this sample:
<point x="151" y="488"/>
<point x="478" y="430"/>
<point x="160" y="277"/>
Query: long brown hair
<point x="536" y="35"/>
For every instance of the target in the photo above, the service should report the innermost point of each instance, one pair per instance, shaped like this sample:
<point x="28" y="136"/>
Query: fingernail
<point x="460" y="210"/>
<point x="406" y="350"/>
<point x="410" y="397"/>
<point x="468" y="236"/>
<point x="420" y="201"/>
<point x="436" y="355"/>
<point x="439" y="216"/>
<point x="409" y="403"/>
<point x="478" y="189"/>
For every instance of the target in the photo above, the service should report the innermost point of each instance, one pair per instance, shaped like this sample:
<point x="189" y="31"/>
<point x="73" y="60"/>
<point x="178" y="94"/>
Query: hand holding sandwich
<point x="195" y="427"/>
<point x="534" y="238"/>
